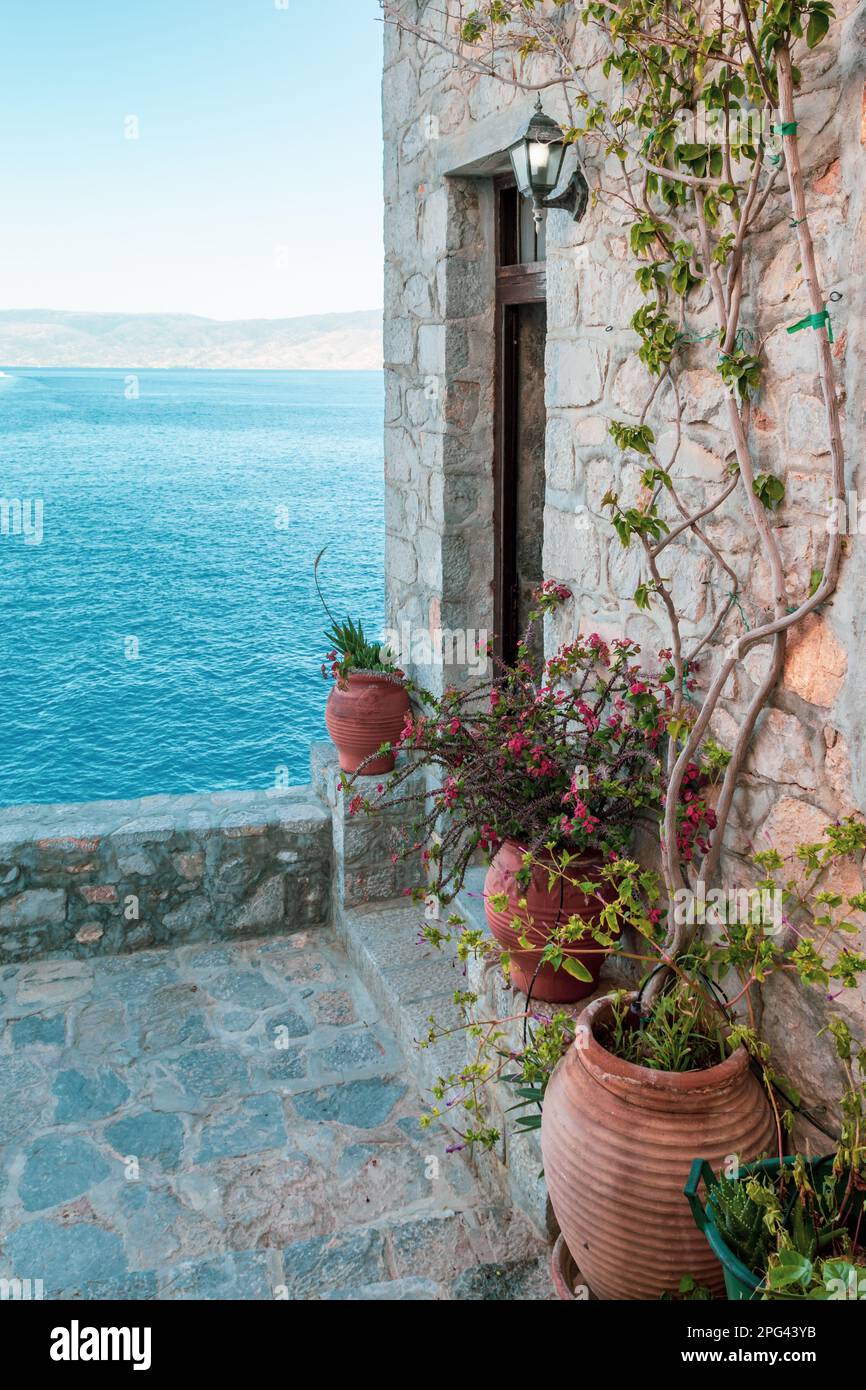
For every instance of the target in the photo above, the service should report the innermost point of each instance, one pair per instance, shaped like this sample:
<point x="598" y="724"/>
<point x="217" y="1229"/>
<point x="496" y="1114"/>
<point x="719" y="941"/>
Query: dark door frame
<point x="515" y="285"/>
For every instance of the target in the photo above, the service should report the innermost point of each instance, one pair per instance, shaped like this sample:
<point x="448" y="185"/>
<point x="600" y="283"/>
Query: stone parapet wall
<point x="119" y="876"/>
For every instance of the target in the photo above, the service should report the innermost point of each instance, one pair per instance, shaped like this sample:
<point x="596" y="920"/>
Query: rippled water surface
<point x="162" y="523"/>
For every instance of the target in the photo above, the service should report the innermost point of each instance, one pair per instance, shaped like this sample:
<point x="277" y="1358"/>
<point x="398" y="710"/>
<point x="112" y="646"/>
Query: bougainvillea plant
<point x="566" y="758"/>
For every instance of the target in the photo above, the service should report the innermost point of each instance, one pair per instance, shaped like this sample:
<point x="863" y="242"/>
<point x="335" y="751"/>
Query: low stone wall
<point x="118" y="876"/>
<point x="364" y="847"/>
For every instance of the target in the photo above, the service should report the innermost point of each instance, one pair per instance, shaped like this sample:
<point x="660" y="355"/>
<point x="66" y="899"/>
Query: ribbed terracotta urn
<point x="618" y="1141"/>
<point x="545" y="909"/>
<point x="368" y="711"/>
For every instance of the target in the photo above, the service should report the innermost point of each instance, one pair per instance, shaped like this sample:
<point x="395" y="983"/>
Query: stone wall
<point x="367" y="864"/>
<point x="120" y="876"/>
<point x="439" y="356"/>
<point x="443" y="131"/>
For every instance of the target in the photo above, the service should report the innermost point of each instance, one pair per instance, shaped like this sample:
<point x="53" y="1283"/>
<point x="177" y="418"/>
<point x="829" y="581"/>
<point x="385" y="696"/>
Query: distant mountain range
<point x="322" y="342"/>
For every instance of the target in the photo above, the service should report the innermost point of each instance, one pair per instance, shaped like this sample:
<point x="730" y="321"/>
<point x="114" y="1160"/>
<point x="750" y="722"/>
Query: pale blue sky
<point x="254" y="188"/>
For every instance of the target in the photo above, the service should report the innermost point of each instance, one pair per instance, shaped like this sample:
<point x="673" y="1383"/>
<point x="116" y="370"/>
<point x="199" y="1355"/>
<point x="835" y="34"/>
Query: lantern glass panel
<point x="545" y="162"/>
<point x="520" y="165"/>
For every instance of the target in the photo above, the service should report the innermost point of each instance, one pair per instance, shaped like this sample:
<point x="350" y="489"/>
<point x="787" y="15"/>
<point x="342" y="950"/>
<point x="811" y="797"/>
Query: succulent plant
<point x="740" y="1222"/>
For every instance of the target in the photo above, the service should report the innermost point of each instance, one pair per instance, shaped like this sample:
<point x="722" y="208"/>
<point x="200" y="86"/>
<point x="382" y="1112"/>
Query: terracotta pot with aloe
<point x="369" y="704"/>
<point x="794" y="1228"/>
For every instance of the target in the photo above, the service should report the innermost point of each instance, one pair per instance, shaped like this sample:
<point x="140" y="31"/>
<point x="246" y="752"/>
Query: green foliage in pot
<point x="684" y="1031"/>
<point x="350" y="648"/>
<point x="800" y="1229"/>
<point x="792" y="1276"/>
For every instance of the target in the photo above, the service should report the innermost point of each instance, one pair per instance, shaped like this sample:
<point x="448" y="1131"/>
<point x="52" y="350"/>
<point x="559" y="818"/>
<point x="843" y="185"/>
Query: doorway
<point x="521" y="417"/>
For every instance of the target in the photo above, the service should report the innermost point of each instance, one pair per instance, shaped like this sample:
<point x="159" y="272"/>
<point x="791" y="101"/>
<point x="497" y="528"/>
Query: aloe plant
<point x="740" y="1222"/>
<point x="351" y="649"/>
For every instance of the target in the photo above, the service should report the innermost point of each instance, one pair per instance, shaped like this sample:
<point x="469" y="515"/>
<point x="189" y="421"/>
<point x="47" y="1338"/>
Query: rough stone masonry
<point x="444" y="128"/>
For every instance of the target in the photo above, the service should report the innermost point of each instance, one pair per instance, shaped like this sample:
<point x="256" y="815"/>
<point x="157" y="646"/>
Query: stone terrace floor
<point x="230" y="1122"/>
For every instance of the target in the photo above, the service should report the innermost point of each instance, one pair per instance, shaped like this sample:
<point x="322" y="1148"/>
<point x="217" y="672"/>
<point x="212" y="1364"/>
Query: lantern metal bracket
<point x="574" y="198"/>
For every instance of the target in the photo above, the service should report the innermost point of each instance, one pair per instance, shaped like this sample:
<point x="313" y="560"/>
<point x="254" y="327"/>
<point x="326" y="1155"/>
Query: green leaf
<point x="819" y="23"/>
<point x="790" y="1268"/>
<point x="577" y="969"/>
<point x="769" y="490"/>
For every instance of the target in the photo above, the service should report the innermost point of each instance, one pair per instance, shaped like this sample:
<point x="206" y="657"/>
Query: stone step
<point x="477" y="1254"/>
<point x="410" y="981"/>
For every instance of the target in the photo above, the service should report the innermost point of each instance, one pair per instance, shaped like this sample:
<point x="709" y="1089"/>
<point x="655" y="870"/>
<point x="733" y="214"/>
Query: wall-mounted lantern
<point x="537" y="159"/>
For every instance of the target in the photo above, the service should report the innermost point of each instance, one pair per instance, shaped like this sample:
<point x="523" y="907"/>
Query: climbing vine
<point x="693" y="137"/>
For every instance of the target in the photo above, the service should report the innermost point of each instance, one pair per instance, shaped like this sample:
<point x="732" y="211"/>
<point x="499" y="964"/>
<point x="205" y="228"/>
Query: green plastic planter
<point x="740" y="1282"/>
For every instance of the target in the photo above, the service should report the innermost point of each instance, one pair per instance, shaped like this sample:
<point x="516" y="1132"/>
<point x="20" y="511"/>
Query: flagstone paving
<point x="230" y="1121"/>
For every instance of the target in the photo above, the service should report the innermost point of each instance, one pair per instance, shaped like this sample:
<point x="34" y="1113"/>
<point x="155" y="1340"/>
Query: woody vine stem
<point x="693" y="202"/>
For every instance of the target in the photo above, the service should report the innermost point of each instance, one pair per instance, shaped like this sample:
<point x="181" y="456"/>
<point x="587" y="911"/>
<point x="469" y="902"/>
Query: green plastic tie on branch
<point x="796" y="221"/>
<point x="735" y="599"/>
<point x="816" y="321"/>
<point x="689" y="338"/>
<point x="648" y="141"/>
<point x="783" y="128"/>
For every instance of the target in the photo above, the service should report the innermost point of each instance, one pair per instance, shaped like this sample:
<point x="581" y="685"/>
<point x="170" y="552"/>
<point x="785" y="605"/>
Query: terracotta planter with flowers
<point x="535" y="911"/>
<point x="368" y="706"/>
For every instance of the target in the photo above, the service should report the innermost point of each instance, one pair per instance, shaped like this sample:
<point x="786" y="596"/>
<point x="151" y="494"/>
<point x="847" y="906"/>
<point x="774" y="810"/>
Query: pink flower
<point x="488" y="837"/>
<point x="450" y="792"/>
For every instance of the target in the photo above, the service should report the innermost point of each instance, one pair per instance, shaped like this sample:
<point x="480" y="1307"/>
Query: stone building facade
<point x="446" y="134"/>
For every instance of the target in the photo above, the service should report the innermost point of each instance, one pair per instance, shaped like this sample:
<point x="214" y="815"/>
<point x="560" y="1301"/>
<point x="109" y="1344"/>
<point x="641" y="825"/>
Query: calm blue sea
<point x="165" y="636"/>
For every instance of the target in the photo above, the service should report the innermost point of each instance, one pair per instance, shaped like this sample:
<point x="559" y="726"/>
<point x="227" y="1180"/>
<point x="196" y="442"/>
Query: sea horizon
<point x="164" y="635"/>
<point x="6" y="369"/>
